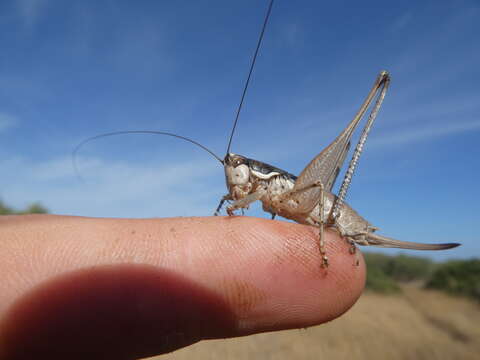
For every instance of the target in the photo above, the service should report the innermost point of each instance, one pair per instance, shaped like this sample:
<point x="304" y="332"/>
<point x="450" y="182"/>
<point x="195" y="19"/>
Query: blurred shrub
<point x="401" y="267"/>
<point x="458" y="277"/>
<point x="380" y="282"/>
<point x="5" y="210"/>
<point x="377" y="260"/>
<point x="409" y="268"/>
<point x="384" y="271"/>
<point x="35" y="208"/>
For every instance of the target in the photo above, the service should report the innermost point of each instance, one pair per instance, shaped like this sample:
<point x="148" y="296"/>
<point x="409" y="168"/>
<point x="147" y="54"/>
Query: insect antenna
<point x="247" y="82"/>
<point x="115" y="133"/>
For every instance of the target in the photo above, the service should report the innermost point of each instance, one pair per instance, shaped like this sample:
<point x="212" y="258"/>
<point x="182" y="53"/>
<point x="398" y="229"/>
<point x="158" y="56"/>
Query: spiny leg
<point x="321" y="222"/>
<point x="350" y="239"/>
<point x="321" y="225"/>
<point x="246" y="201"/>
<point x="382" y="83"/>
<point x="353" y="240"/>
<point x="220" y="205"/>
<point x="353" y="250"/>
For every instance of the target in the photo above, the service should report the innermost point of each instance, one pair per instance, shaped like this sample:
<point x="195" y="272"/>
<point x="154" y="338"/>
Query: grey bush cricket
<point x="306" y="199"/>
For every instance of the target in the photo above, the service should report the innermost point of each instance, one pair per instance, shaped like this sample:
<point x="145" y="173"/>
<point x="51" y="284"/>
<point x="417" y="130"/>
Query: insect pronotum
<point x="306" y="199"/>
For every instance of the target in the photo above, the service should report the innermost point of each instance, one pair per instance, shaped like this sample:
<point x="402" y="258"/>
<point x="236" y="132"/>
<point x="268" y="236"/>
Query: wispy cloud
<point x="292" y="34"/>
<point x="425" y="133"/>
<point x="30" y="10"/>
<point x="424" y="49"/>
<point x="111" y="189"/>
<point x="143" y="47"/>
<point x="401" y="22"/>
<point x="7" y="121"/>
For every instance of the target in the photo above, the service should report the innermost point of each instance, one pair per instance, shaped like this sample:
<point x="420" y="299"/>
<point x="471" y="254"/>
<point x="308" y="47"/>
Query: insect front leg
<point x="246" y="201"/>
<point x="227" y="197"/>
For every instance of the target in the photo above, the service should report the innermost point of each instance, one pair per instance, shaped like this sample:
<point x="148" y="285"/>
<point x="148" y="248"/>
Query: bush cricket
<point x="306" y="199"/>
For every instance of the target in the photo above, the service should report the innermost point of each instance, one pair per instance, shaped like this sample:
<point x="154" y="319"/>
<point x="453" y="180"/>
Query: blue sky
<point x="70" y="70"/>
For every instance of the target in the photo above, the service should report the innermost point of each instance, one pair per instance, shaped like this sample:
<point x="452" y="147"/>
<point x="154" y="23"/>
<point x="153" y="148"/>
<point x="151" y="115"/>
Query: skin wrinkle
<point x="186" y="251"/>
<point x="298" y="246"/>
<point x="135" y="245"/>
<point x="242" y="295"/>
<point x="258" y="237"/>
<point x="232" y="248"/>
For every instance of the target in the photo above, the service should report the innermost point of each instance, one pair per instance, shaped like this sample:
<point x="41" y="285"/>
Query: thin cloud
<point x="118" y="189"/>
<point x="7" y="121"/>
<point x="292" y="34"/>
<point x="426" y="133"/>
<point x="401" y="22"/>
<point x="30" y="10"/>
<point x="425" y="47"/>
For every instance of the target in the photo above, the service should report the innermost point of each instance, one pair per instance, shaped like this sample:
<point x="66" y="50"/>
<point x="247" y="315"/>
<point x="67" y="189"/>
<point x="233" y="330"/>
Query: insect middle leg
<point x="320" y="220"/>
<point x="321" y="226"/>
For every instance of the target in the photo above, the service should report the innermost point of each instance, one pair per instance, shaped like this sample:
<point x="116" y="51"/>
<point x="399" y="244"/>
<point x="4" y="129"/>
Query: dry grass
<point x="418" y="324"/>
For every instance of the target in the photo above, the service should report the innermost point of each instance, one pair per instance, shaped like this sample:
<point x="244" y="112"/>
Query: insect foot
<point x="325" y="262"/>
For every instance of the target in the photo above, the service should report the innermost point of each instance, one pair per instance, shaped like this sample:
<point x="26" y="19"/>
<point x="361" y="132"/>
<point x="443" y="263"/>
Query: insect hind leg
<point x="353" y="240"/>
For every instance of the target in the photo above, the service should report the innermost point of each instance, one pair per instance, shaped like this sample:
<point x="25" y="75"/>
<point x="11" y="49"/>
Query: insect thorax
<point x="244" y="176"/>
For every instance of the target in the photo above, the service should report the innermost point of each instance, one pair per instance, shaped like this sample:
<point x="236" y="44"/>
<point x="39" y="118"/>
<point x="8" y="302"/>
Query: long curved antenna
<point x="249" y="74"/>
<point x="114" y="133"/>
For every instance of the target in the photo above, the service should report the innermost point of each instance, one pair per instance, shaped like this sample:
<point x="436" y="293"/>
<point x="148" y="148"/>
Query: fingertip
<point x="250" y="274"/>
<point x="286" y="267"/>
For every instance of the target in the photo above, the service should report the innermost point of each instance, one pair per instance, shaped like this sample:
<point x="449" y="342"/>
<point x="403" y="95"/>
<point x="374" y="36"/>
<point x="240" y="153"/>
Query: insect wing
<point x="325" y="168"/>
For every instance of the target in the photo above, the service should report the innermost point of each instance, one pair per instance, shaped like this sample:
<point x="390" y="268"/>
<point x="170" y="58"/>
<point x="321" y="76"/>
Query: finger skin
<point x="75" y="287"/>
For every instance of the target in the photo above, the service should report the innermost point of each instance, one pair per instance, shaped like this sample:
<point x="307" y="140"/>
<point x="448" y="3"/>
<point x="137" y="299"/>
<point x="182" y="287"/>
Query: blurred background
<point x="72" y="70"/>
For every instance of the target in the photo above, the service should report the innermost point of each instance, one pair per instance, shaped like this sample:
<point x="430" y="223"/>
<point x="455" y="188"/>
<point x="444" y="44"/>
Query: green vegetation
<point x="380" y="282"/>
<point x="458" y="277"/>
<point x="384" y="272"/>
<point x="35" y="208"/>
<point x="401" y="267"/>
